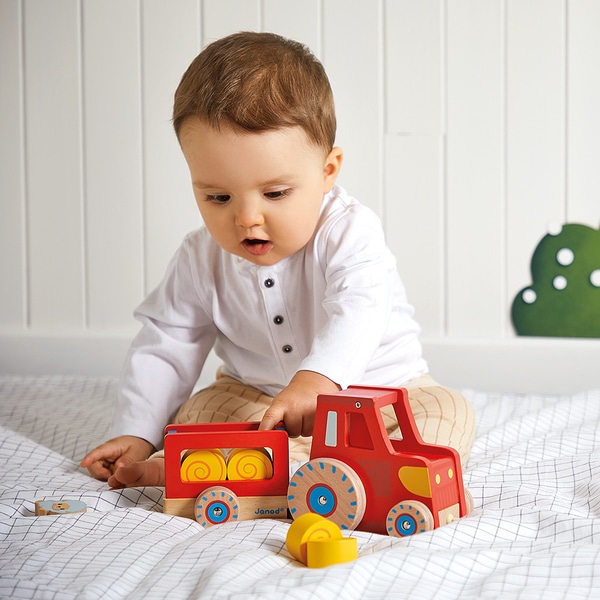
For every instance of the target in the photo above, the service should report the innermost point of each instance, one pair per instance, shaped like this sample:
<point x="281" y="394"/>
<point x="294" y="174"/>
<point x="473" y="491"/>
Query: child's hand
<point x="295" y="405"/>
<point x="121" y="451"/>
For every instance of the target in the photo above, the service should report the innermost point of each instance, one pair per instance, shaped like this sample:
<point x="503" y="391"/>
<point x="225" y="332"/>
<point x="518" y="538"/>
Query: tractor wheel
<point x="329" y="488"/>
<point x="216" y="505"/>
<point x="407" y="518"/>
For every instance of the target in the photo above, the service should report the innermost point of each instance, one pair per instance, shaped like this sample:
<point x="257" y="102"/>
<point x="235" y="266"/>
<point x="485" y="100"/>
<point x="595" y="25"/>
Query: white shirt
<point x="336" y="307"/>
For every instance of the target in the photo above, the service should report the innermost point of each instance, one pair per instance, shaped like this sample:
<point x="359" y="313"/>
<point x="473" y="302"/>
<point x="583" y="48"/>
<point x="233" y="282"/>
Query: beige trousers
<point x="443" y="416"/>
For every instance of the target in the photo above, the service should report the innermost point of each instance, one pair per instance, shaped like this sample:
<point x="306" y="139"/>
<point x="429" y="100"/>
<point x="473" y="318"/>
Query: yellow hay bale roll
<point x="325" y="552"/>
<point x="309" y="527"/>
<point x="249" y="463"/>
<point x="204" y="465"/>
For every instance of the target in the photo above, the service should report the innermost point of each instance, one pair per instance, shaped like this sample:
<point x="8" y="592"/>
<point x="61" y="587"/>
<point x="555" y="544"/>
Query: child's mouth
<point x="257" y="247"/>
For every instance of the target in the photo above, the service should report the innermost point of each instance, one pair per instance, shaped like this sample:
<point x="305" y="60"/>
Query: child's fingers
<point x="268" y="422"/>
<point x="100" y="461"/>
<point x="105" y="452"/>
<point x="99" y="469"/>
<point x="272" y="417"/>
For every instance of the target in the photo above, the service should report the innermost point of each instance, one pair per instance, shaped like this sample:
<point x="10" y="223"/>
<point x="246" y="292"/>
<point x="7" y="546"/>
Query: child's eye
<point x="218" y="198"/>
<point x="278" y="194"/>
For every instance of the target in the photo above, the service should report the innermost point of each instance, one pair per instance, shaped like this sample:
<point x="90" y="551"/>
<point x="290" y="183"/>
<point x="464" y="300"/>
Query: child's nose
<point x="249" y="214"/>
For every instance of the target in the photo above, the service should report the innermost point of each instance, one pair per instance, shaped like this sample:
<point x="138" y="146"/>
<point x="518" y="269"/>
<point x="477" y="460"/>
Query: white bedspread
<point x="535" y="532"/>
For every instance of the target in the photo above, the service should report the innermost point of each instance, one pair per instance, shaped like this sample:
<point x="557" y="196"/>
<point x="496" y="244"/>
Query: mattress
<point x="534" y="475"/>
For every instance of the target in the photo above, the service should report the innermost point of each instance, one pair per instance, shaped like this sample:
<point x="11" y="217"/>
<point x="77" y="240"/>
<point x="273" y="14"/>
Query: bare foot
<point x="139" y="474"/>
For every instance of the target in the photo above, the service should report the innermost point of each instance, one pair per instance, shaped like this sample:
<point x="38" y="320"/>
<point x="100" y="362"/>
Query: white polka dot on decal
<point x="565" y="256"/>
<point x="559" y="282"/>
<point x="529" y="296"/>
<point x="554" y="228"/>
<point x="595" y="278"/>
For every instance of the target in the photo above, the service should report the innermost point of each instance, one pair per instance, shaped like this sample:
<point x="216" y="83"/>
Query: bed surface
<point x="534" y="474"/>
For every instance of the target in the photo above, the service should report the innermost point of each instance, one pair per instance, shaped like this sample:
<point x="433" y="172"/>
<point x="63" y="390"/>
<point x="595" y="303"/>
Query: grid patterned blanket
<point x="534" y="474"/>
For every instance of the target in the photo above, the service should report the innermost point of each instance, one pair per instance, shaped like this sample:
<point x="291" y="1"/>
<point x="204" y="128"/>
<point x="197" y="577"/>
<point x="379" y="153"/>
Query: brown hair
<point x="258" y="82"/>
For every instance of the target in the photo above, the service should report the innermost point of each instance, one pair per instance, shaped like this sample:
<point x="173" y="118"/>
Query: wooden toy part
<point x="216" y="505"/>
<point x="204" y="465"/>
<point x="324" y="553"/>
<point x="182" y="437"/>
<point x="59" y="507"/>
<point x="249" y="463"/>
<point x="307" y="527"/>
<point x="469" y="501"/>
<point x="387" y="473"/>
<point x="407" y="518"/>
<point x="329" y="488"/>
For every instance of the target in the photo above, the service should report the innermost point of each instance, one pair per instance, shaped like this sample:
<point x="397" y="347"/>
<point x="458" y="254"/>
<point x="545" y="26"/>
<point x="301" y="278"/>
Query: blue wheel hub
<point x="406" y="525"/>
<point x="322" y="500"/>
<point x="217" y="512"/>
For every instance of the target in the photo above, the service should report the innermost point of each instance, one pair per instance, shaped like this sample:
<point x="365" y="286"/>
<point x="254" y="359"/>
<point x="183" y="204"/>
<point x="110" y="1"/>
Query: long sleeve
<point x="167" y="355"/>
<point x="369" y="325"/>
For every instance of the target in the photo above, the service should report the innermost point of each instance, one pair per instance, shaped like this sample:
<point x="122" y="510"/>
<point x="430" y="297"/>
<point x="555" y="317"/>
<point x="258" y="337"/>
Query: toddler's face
<point x="259" y="194"/>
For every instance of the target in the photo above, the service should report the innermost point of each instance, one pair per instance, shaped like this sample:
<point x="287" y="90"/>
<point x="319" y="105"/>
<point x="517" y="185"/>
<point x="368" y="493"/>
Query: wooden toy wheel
<point x="216" y="505"/>
<point x="329" y="488"/>
<point x="407" y="518"/>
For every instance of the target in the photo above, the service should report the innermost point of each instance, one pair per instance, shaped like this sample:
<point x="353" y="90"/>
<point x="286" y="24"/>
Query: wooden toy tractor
<point x="360" y="478"/>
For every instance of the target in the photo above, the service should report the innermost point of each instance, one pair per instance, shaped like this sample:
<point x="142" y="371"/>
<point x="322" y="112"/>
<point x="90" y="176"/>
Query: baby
<point x="289" y="280"/>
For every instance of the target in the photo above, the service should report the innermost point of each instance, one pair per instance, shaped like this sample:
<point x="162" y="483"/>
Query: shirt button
<point x="287" y="348"/>
<point x="269" y="282"/>
<point x="278" y="320"/>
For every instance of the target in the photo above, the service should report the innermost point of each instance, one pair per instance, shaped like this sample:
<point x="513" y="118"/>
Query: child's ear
<point x="333" y="164"/>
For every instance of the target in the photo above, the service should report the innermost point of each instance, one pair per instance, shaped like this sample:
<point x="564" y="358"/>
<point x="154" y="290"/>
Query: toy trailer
<point x="210" y="497"/>
<point x="360" y="478"/>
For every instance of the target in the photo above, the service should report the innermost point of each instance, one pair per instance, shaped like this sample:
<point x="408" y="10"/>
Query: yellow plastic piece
<point x="249" y="463"/>
<point x="415" y="480"/>
<point x="204" y="465"/>
<point x="323" y="553"/>
<point x="309" y="527"/>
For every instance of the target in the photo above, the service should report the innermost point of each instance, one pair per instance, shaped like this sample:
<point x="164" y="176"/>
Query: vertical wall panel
<point x="352" y="56"/>
<point x="113" y="169"/>
<point x="414" y="174"/>
<point x="298" y="20"/>
<point x="413" y="74"/>
<point x="222" y="17"/>
<point x="13" y="303"/>
<point x="583" y="112"/>
<point x="475" y="173"/>
<point x="535" y="187"/>
<point x="414" y="223"/>
<point x="171" y="39"/>
<point x="53" y="115"/>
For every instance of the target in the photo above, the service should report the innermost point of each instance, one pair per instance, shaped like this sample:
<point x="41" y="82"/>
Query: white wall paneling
<point x="535" y="129"/>
<point x="112" y="171"/>
<point x="352" y="40"/>
<point x="222" y="17"/>
<point x="583" y="116"/>
<point x="297" y="20"/>
<point x="171" y="38"/>
<point x="414" y="181"/>
<point x="53" y="164"/>
<point x="414" y="174"/>
<point x="13" y="257"/>
<point x="468" y="125"/>
<point x="475" y="168"/>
